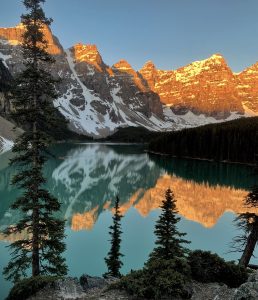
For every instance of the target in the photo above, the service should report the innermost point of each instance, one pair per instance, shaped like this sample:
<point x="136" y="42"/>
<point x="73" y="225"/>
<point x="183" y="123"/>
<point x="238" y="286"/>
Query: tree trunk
<point x="35" y="243"/>
<point x="250" y="245"/>
<point x="35" y="214"/>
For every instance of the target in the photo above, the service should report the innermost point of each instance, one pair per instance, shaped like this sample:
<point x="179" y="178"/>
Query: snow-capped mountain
<point x="97" y="99"/>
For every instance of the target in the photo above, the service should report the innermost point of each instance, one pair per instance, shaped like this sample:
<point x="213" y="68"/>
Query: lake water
<point x="87" y="177"/>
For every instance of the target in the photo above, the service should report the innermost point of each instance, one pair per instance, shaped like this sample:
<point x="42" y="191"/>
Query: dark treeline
<point x="213" y="173"/>
<point x="132" y="135"/>
<point x="234" y="141"/>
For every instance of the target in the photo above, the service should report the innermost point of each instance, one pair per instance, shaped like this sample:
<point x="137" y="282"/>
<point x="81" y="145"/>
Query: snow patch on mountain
<point x="85" y="119"/>
<point x="190" y="119"/>
<point x="97" y="99"/>
<point x="5" y="145"/>
<point x="4" y="59"/>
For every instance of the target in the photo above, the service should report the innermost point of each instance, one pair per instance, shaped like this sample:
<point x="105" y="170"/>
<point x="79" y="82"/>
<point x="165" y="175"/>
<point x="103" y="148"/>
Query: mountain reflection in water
<point x="87" y="178"/>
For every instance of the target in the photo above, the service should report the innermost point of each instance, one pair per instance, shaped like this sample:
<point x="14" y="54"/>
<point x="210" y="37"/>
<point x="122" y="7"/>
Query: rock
<point x="210" y="291"/>
<point x="97" y="99"/>
<point x="253" y="277"/>
<point x="14" y="35"/>
<point x="247" y="87"/>
<point x="95" y="288"/>
<point x="247" y="291"/>
<point x="88" y="54"/>
<point x="188" y="290"/>
<point x="89" y="282"/>
<point x="206" y="86"/>
<point x="62" y="289"/>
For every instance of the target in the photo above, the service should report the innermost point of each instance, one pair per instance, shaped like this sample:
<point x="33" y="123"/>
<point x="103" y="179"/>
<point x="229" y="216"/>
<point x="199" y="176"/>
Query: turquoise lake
<point x="87" y="177"/>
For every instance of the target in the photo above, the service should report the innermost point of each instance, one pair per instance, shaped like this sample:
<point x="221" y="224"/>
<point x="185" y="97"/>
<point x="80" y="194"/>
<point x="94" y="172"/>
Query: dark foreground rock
<point x="68" y="288"/>
<point x="87" y="287"/>
<point x="88" y="282"/>
<point x="96" y="288"/>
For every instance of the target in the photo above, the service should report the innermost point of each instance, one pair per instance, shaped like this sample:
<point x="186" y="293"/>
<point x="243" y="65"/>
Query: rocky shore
<point x="97" y="288"/>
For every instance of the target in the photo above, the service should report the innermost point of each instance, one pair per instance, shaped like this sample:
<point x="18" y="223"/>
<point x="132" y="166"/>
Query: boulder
<point x="247" y="291"/>
<point x="63" y="289"/>
<point x="90" y="282"/>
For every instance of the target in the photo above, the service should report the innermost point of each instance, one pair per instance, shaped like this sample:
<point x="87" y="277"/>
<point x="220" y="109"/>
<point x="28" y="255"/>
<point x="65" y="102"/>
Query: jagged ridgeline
<point x="234" y="141"/>
<point x="97" y="99"/>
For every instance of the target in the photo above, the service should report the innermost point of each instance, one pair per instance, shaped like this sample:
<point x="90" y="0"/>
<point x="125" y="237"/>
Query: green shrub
<point x="25" y="288"/>
<point x="209" y="267"/>
<point x="159" y="279"/>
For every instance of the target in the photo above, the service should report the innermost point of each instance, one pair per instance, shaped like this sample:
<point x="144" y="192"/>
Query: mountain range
<point x="97" y="99"/>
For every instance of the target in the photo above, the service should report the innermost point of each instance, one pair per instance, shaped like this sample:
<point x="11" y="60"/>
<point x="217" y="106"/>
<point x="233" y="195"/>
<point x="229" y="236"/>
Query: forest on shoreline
<point x="234" y="141"/>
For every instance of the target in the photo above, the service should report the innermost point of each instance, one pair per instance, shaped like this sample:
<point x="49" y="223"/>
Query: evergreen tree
<point x="33" y="109"/>
<point x="169" y="240"/>
<point x="113" y="260"/>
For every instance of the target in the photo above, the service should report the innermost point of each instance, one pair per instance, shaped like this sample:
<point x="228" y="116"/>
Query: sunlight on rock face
<point x="14" y="37"/>
<point x="88" y="54"/>
<point x="126" y="70"/>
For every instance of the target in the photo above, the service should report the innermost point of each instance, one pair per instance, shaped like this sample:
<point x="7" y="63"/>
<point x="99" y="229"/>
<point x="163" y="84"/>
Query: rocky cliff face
<point x="5" y="77"/>
<point x="96" y="99"/>
<point x="208" y="86"/>
<point x="7" y="134"/>
<point x="248" y="88"/>
<point x="14" y="36"/>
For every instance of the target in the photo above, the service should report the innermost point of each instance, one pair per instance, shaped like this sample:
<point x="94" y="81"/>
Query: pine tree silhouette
<point x="34" y="92"/>
<point x="169" y="240"/>
<point x="113" y="260"/>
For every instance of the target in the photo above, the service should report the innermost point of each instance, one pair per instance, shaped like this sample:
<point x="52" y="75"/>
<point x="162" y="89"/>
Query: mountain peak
<point x="20" y="26"/>
<point x="87" y="47"/>
<point x="217" y="58"/>
<point x="123" y="65"/>
<point x="88" y="53"/>
<point x="205" y="65"/>
<point x="149" y="65"/>
<point x="14" y="36"/>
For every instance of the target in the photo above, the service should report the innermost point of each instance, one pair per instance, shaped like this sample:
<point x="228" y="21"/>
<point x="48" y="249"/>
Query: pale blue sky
<point x="171" y="33"/>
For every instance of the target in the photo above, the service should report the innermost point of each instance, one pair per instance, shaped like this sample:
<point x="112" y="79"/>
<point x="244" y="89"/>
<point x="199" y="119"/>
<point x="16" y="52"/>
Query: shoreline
<point x="200" y="159"/>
